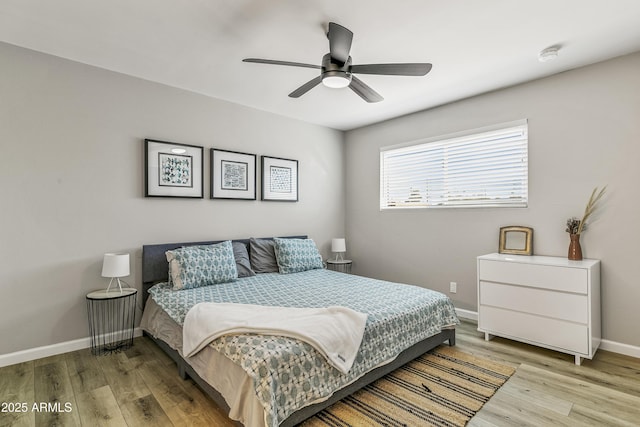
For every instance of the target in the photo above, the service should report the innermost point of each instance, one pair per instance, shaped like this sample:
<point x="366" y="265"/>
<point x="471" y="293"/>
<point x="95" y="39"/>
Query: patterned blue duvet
<point x="289" y="374"/>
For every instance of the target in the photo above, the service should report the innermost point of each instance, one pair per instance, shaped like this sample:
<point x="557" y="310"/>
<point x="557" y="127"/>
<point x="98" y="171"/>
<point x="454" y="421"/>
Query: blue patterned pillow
<point x="195" y="266"/>
<point x="295" y="255"/>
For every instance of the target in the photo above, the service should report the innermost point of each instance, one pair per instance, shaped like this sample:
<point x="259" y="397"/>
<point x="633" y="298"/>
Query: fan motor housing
<point x="334" y="74"/>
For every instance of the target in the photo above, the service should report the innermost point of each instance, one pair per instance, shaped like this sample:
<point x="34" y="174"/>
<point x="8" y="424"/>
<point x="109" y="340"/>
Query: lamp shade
<point x="115" y="265"/>
<point x="338" y="245"/>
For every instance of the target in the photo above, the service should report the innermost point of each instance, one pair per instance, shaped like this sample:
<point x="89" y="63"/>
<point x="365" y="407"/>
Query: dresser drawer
<point x="534" y="275"/>
<point x="534" y="329"/>
<point x="559" y="305"/>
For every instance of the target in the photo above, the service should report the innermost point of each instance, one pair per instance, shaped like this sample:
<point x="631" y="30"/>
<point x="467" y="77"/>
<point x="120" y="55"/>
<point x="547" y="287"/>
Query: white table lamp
<point x="115" y="266"/>
<point x="338" y="246"/>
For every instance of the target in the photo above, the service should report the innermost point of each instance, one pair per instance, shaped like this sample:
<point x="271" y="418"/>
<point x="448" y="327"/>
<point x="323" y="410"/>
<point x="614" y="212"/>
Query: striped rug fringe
<point x="444" y="387"/>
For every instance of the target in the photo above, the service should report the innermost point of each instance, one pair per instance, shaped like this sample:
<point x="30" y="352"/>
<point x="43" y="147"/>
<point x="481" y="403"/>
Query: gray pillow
<point x="263" y="256"/>
<point x="243" y="265"/>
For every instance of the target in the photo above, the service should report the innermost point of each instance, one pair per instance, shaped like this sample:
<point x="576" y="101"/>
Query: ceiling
<point x="198" y="45"/>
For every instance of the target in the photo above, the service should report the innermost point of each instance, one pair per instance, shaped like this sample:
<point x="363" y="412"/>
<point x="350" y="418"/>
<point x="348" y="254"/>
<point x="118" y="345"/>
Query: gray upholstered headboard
<point x="154" y="261"/>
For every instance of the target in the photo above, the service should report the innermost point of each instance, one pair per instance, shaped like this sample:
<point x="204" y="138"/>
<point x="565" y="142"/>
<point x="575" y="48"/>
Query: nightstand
<point x="343" y="265"/>
<point x="111" y="319"/>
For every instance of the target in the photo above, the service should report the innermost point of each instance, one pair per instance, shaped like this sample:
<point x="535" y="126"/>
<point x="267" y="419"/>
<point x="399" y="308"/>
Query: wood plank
<point x="145" y="411"/>
<point x="52" y="382"/>
<point x="124" y="379"/>
<point x="136" y="350"/>
<point x="154" y="352"/>
<point x="626" y="363"/>
<point x="545" y="374"/>
<point x="18" y="419"/>
<point x="479" y="421"/>
<point x="165" y="384"/>
<point x="99" y="408"/>
<point x="617" y="404"/>
<point x="616" y="371"/>
<point x="505" y="409"/>
<point x="49" y="359"/>
<point x="521" y="389"/>
<point x="16" y="382"/>
<point x="593" y="416"/>
<point x="85" y="371"/>
<point x="181" y="400"/>
<point x="16" y="387"/>
<point x="53" y="394"/>
<point x="206" y="406"/>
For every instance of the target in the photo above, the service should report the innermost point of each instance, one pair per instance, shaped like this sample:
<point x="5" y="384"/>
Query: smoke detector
<point x="548" y="54"/>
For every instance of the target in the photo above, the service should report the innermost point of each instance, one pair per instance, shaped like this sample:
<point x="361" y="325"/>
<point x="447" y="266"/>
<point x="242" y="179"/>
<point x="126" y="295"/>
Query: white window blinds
<point x="486" y="168"/>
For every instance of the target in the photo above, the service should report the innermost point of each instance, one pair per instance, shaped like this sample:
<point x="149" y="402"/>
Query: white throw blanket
<point x="336" y="332"/>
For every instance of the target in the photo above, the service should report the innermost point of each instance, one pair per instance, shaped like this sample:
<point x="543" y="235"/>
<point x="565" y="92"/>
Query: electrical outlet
<point x="453" y="287"/>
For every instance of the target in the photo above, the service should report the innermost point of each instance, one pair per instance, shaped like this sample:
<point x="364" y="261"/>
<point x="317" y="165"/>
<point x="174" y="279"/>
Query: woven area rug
<point x="444" y="387"/>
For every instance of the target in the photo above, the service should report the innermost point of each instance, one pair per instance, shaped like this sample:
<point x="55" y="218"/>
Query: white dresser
<point x="551" y="302"/>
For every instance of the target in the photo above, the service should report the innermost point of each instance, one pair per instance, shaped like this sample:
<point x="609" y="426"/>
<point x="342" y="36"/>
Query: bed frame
<point x="155" y="269"/>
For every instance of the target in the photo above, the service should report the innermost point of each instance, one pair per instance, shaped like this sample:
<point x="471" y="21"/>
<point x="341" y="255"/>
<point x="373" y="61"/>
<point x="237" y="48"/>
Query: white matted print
<point x="172" y="169"/>
<point x="176" y="170"/>
<point x="279" y="179"/>
<point x="233" y="175"/>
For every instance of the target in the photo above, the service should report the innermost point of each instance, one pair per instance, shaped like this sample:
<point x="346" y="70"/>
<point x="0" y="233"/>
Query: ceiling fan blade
<point x="416" y="69"/>
<point x="306" y="87"/>
<point x="364" y="91"/>
<point x="275" y="62"/>
<point x="339" y="42"/>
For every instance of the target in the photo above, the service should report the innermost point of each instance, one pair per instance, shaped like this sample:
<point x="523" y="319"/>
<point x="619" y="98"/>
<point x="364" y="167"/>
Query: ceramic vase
<point x="575" y="250"/>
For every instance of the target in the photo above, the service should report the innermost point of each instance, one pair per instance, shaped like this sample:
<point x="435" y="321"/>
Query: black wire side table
<point x="111" y="319"/>
<point x="342" y="265"/>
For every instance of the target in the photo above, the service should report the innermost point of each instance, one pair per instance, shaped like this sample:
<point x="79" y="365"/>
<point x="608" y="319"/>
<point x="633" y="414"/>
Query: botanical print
<point x="234" y="175"/>
<point x="280" y="179"/>
<point x="175" y="170"/>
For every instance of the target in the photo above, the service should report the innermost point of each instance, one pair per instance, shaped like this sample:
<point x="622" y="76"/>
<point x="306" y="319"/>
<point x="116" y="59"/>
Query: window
<point x="481" y="168"/>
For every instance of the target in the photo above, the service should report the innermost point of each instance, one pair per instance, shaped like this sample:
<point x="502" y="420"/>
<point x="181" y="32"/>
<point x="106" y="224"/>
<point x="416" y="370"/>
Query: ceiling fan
<point x="337" y="71"/>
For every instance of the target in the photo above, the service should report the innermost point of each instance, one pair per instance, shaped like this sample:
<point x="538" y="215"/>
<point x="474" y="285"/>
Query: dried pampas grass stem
<point x="591" y="207"/>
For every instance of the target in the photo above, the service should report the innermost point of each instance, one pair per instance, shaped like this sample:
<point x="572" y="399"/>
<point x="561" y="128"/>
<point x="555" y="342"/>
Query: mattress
<point x="288" y="374"/>
<point x="228" y="378"/>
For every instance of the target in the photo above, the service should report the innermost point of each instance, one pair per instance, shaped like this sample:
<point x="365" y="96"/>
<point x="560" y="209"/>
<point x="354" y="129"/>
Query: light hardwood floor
<point x="140" y="387"/>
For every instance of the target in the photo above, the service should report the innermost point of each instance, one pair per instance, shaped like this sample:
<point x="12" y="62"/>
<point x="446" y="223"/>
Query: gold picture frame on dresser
<point x="516" y="240"/>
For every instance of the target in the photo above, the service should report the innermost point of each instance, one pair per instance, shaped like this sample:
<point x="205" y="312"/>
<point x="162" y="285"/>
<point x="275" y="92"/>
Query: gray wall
<point x="584" y="131"/>
<point x="71" y="184"/>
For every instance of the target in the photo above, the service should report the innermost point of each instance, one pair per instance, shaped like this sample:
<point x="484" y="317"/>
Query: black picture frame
<point x="233" y="175"/>
<point x="279" y="179"/>
<point x="173" y="169"/>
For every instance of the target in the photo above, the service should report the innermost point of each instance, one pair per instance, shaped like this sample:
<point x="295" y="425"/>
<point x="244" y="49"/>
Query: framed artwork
<point x="279" y="179"/>
<point x="233" y="175"/>
<point x="172" y="169"/>
<point x="516" y="240"/>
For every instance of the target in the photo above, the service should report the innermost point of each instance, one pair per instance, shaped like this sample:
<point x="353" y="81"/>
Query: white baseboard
<point x="467" y="314"/>
<point x="616" y="347"/>
<point x="50" y="350"/>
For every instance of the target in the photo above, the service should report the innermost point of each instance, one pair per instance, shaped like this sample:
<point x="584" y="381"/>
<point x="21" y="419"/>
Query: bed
<point x="263" y="380"/>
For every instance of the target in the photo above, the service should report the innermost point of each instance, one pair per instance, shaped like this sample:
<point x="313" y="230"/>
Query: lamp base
<point x="119" y="284"/>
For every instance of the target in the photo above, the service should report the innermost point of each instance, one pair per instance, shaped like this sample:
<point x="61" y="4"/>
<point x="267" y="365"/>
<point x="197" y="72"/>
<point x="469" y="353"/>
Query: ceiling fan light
<point x="336" y="81"/>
